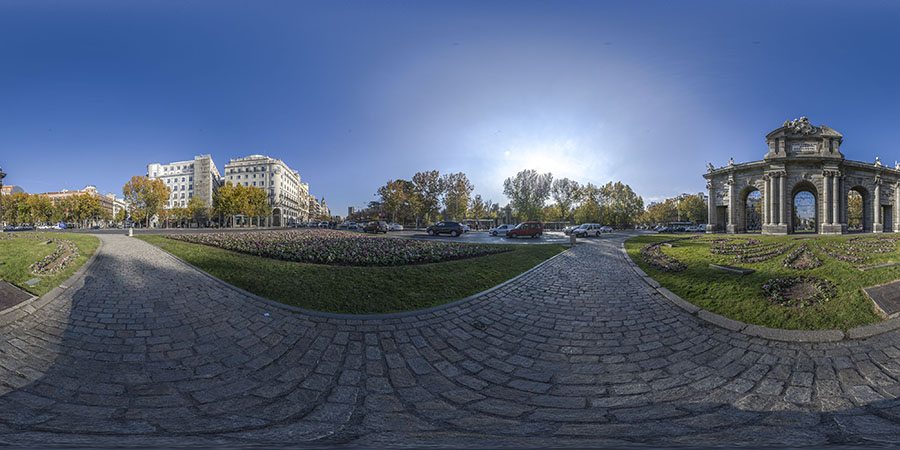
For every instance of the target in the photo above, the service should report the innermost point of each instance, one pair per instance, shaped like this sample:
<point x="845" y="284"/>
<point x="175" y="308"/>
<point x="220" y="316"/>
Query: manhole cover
<point x="886" y="297"/>
<point x="11" y="296"/>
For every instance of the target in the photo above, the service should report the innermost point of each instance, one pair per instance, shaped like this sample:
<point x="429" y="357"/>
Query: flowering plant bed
<point x="357" y="289"/>
<point x="799" y="291"/>
<point x="340" y="248"/>
<point x="653" y="254"/>
<point x="802" y="258"/>
<point x="747" y="250"/>
<point x="24" y="256"/>
<point x="66" y="252"/>
<point x="739" y="297"/>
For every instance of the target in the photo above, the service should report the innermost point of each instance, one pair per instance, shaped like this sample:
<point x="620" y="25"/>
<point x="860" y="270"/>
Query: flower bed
<point x="748" y="250"/>
<point x="799" y="291"/>
<point x="802" y="258"/>
<point x="340" y="248"/>
<point x="66" y="252"/>
<point x="653" y="254"/>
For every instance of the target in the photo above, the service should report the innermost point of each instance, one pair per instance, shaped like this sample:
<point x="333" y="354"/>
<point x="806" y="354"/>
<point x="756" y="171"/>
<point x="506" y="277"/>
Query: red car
<point x="529" y="229"/>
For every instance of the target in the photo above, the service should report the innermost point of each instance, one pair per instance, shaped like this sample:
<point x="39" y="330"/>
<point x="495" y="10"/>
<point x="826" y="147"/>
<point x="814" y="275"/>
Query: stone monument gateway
<point x="803" y="158"/>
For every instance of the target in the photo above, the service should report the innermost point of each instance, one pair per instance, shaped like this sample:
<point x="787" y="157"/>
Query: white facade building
<point x="281" y="183"/>
<point x="188" y="179"/>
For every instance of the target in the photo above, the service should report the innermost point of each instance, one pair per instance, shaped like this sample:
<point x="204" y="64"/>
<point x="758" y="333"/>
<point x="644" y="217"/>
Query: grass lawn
<point x="358" y="290"/>
<point x="741" y="297"/>
<point x="18" y="254"/>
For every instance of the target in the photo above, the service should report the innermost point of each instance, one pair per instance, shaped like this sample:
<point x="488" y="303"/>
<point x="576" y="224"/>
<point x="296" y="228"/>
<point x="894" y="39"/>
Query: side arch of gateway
<point x="803" y="158"/>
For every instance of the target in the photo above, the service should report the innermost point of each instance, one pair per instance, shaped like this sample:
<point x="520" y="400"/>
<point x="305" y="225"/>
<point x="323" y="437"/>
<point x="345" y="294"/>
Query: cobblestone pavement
<point x="147" y="351"/>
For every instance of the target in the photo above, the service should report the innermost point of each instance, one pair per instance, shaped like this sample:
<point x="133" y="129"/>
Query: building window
<point x="182" y="195"/>
<point x="272" y="183"/>
<point x="190" y="178"/>
<point x="190" y="187"/>
<point x="245" y="183"/>
<point x="182" y="179"/>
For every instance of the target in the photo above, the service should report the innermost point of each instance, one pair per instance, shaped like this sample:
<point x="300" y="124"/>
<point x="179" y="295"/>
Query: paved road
<point x="147" y="351"/>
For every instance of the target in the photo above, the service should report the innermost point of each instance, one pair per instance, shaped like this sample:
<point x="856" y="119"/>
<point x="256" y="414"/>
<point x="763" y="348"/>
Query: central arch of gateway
<point x="803" y="158"/>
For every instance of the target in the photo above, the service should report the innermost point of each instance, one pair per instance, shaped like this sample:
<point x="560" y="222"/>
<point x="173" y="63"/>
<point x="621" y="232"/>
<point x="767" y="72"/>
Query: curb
<point x="774" y="334"/>
<point x="28" y="307"/>
<point x="396" y="315"/>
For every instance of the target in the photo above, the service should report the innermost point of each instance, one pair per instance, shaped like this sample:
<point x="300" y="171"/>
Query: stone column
<point x="764" y="201"/>
<point x="826" y="200"/>
<point x="732" y="214"/>
<point x="876" y="208"/>
<point x="711" y="209"/>
<point x="781" y="201"/>
<point x="897" y="208"/>
<point x="771" y="199"/>
<point x="835" y="207"/>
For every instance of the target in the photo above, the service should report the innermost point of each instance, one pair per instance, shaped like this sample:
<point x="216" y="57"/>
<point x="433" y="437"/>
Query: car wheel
<point x="537" y="235"/>
<point x="432" y="233"/>
<point x="454" y="233"/>
<point x="493" y="233"/>
<point x="598" y="234"/>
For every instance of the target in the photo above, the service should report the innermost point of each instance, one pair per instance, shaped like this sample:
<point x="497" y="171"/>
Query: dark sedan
<point x="452" y="228"/>
<point x="376" y="226"/>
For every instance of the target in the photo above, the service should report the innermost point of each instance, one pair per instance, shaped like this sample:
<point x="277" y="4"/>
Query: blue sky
<point x="354" y="93"/>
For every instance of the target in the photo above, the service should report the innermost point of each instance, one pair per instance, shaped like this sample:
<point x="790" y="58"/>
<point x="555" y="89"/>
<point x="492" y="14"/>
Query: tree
<point x="63" y="209"/>
<point x="565" y="193"/>
<point x="147" y="197"/>
<point x="15" y="208"/>
<point x="527" y="192"/>
<point x="40" y="208"/>
<point x="660" y="213"/>
<point x="87" y="208"/>
<point x="227" y="201"/>
<point x="457" y="190"/>
<point x="622" y="205"/>
<point x="198" y="211"/>
<point x="395" y="197"/>
<point x="121" y="215"/>
<point x="478" y="208"/>
<point x="693" y="209"/>
<point x="428" y="189"/>
<point x="591" y="209"/>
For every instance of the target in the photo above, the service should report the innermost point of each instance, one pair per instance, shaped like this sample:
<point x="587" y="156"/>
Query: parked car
<point x="465" y="228"/>
<point x="588" y="229"/>
<point x="570" y="229"/>
<point x="701" y="228"/>
<point x="502" y="229"/>
<point x="526" y="229"/>
<point x="376" y="226"/>
<point x="452" y="228"/>
<point x="351" y="226"/>
<point x="393" y="226"/>
<point x="606" y="229"/>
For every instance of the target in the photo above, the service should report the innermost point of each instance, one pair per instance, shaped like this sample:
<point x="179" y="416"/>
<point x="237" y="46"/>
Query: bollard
<point x="572" y="239"/>
<point x="131" y="231"/>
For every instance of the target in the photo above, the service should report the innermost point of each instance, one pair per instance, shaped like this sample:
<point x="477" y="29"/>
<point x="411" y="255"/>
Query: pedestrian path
<point x="145" y="350"/>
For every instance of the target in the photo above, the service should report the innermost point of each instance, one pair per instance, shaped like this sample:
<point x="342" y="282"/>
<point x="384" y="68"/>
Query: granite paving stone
<point x="145" y="350"/>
